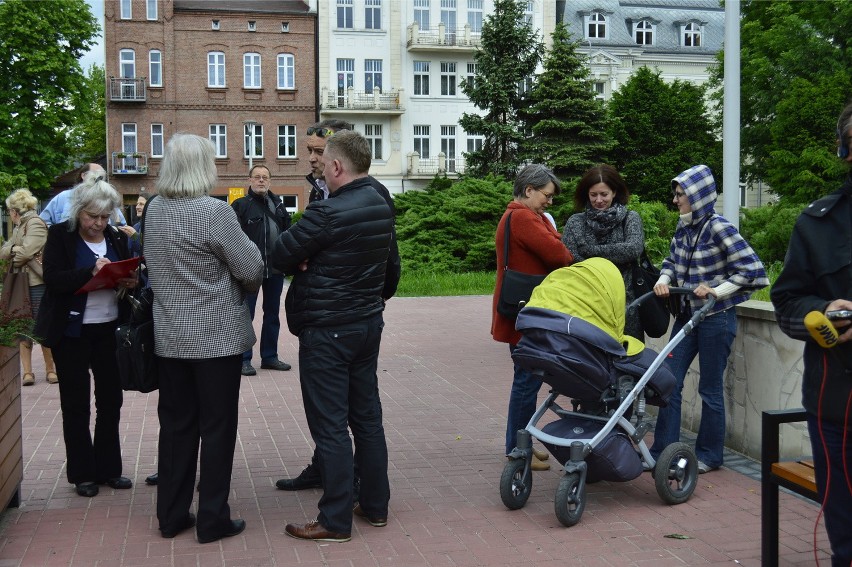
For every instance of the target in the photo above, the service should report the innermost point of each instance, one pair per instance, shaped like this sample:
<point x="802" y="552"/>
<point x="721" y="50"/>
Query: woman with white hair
<point x="80" y="329"/>
<point x="200" y="266"/>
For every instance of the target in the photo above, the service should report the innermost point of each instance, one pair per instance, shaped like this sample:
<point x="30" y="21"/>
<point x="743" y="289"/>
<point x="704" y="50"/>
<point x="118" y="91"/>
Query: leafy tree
<point x="768" y="229"/>
<point x="508" y="56"/>
<point x="88" y="134"/>
<point x="660" y="129"/>
<point x="569" y="124"/>
<point x="796" y="76"/>
<point x="40" y="43"/>
<point x="9" y="183"/>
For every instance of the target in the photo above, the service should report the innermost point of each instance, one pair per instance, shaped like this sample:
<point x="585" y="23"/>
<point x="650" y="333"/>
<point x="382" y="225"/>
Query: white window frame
<point x="345" y="12"/>
<point x="345" y="79"/>
<point x="448" y="146"/>
<point x="692" y="34"/>
<point x="373" y="134"/>
<point x="287" y="135"/>
<point x="129" y="139"/>
<point x="373" y="14"/>
<point x="151" y="10"/>
<point x="471" y="74"/>
<point x="258" y="140"/>
<point x="125" y="9"/>
<point x="251" y="70"/>
<point x="372" y="72"/>
<point x="449" y="17"/>
<point x="422" y="133"/>
<point x="286" y="200"/>
<point x="475" y="143"/>
<point x="129" y="61"/>
<point x="474" y="15"/>
<point x="421" y="78"/>
<point x="449" y="80"/>
<point x="218" y="134"/>
<point x="155" y="68"/>
<point x="216" y="69"/>
<point x="157" y="140"/>
<point x="644" y="32"/>
<point x="286" y="71"/>
<point x="597" y="21"/>
<point x="529" y="11"/>
<point x="421" y="14"/>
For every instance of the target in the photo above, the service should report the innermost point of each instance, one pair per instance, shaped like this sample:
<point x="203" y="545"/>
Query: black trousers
<point x="98" y="458"/>
<point x="199" y="401"/>
<point x="337" y="371"/>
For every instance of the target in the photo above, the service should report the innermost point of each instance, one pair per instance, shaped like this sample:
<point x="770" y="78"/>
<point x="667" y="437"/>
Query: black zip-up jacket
<point x="250" y="211"/>
<point x="818" y="270"/>
<point x="346" y="240"/>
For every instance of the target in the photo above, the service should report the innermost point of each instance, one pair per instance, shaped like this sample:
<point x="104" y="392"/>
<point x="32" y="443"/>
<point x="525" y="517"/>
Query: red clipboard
<point x="108" y="276"/>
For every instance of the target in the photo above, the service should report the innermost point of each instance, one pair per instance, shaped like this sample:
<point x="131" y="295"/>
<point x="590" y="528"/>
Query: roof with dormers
<point x="668" y="16"/>
<point x="242" y="6"/>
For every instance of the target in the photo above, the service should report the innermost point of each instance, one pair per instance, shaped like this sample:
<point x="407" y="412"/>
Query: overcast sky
<point x="96" y="55"/>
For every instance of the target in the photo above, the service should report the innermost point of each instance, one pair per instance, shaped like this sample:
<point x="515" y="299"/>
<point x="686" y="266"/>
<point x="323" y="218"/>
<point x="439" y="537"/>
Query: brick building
<point x="241" y="72"/>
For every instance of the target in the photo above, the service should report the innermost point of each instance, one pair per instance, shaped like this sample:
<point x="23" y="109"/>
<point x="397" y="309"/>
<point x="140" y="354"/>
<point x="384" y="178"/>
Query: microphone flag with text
<point x="821" y="329"/>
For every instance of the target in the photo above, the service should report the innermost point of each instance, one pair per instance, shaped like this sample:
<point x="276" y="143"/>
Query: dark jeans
<point x="337" y="370"/>
<point x="522" y="403"/>
<point x="199" y="403"/>
<point x="271" y="327"/>
<point x="833" y="464"/>
<point x="99" y="458"/>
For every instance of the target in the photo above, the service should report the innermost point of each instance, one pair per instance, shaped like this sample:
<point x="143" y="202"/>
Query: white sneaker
<point x="704" y="468"/>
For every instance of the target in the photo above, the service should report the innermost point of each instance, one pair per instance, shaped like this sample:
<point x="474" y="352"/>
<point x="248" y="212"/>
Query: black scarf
<point x="602" y="222"/>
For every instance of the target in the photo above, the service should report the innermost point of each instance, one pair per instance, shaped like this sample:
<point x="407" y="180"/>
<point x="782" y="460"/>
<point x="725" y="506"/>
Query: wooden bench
<point x="797" y="476"/>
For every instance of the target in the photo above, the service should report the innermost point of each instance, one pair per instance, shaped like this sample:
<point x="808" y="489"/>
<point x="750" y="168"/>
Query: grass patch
<point x="428" y="284"/>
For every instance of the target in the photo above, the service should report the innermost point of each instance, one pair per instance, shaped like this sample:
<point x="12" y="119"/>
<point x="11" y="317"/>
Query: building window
<point x="448" y="79"/>
<point x="219" y="137"/>
<point x="344" y="14"/>
<point x="421" y="14"/>
<point x="643" y="33"/>
<point x="448" y="18"/>
<point x="471" y="75"/>
<point x="421" y="141"/>
<point x="529" y="8"/>
<point x="448" y="146"/>
<point x="287" y="141"/>
<point x="290" y="202"/>
<point x="127" y="63"/>
<point x="474" y="15"/>
<point x="345" y="79"/>
<point x="598" y="88"/>
<point x="373" y="14"/>
<point x="151" y="9"/>
<point x="692" y="35"/>
<point x="253" y="131"/>
<point x="525" y="86"/>
<point x="215" y="69"/>
<point x="251" y="71"/>
<point x="372" y="75"/>
<point x="155" y="68"/>
<point x="252" y="25"/>
<point x="373" y="133"/>
<point x="421" y="78"/>
<point x="285" y="27"/>
<point x="156" y="140"/>
<point x="126" y="10"/>
<point x="286" y="71"/>
<point x="475" y="143"/>
<point x="596" y="26"/>
<point x="215" y="25"/>
<point x="128" y="139"/>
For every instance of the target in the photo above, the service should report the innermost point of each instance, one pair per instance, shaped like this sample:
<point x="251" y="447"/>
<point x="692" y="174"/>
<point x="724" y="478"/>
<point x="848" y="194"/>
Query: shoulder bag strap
<point x="506" y="235"/>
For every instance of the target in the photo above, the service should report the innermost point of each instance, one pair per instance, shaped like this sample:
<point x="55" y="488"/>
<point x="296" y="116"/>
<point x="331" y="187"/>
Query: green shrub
<point x="768" y="230"/>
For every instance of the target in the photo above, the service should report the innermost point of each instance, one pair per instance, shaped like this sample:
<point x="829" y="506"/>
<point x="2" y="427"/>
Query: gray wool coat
<point x="622" y="246"/>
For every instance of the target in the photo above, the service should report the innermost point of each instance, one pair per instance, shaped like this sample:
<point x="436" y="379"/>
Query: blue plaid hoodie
<point x="709" y="249"/>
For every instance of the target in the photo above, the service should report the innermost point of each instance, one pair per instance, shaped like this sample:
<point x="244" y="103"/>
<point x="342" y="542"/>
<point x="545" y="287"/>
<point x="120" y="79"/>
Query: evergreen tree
<point x="568" y="123"/>
<point x="508" y="57"/>
<point x="661" y="129"/>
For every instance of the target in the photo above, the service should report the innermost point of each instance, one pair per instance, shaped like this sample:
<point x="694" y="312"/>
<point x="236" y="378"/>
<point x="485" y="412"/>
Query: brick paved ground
<point x="444" y="386"/>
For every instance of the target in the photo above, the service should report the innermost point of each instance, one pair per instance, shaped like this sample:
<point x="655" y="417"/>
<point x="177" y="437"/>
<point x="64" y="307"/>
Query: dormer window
<point x="285" y="27"/>
<point x="252" y="26"/>
<point x="691" y="36"/>
<point x="643" y="32"/>
<point x="215" y="25"/>
<point x="595" y="25"/>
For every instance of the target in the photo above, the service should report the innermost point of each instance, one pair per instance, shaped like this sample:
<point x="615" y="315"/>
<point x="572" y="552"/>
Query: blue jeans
<point x="271" y="327"/>
<point x="711" y="341"/>
<point x="838" y="505"/>
<point x="522" y="403"/>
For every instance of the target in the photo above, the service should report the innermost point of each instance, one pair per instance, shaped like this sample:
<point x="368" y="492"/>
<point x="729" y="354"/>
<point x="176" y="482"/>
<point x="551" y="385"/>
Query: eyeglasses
<point x="321" y="132"/>
<point x="548" y="196"/>
<point x="260" y="178"/>
<point x="95" y="217"/>
<point x="678" y="194"/>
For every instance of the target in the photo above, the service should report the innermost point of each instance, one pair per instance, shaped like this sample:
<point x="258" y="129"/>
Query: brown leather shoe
<point x="538" y="465"/>
<point x="376" y="521"/>
<point x="541" y="455"/>
<point x="313" y="530"/>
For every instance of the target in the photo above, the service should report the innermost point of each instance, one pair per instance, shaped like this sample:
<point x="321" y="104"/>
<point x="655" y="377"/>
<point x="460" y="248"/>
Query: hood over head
<point x="699" y="186"/>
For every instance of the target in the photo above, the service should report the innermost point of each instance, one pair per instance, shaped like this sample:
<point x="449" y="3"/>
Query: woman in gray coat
<point x="606" y="229"/>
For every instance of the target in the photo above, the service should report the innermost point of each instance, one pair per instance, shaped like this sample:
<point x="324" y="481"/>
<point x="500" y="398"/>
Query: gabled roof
<point x="242" y="6"/>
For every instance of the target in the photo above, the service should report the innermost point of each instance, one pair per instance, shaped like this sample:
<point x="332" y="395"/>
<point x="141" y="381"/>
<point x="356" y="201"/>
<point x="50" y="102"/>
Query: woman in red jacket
<point x="535" y="247"/>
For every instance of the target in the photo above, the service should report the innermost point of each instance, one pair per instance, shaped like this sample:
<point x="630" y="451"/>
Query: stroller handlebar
<point x="696" y="318"/>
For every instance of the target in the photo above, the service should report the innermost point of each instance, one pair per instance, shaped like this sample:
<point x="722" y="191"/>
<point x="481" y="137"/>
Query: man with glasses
<point x="263" y="217"/>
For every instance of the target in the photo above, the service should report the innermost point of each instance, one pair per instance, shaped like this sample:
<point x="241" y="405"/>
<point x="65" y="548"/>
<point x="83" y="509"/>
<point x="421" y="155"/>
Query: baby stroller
<point x="573" y="340"/>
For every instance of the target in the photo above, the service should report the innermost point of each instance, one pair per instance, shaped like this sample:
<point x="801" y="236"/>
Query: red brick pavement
<point x="444" y="387"/>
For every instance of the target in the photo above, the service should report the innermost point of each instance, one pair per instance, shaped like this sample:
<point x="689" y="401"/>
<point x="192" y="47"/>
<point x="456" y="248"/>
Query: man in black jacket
<point x="338" y="253"/>
<point x="263" y="217"/>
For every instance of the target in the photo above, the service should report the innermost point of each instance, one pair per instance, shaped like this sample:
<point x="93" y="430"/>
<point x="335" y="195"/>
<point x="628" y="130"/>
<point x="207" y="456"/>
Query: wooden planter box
<point x="11" y="445"/>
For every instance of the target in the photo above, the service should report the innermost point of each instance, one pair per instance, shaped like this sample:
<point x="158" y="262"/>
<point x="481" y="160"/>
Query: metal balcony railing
<point x="361" y="100"/>
<point x="443" y="37"/>
<point x="127" y="89"/>
<point x="434" y="166"/>
<point x="129" y="163"/>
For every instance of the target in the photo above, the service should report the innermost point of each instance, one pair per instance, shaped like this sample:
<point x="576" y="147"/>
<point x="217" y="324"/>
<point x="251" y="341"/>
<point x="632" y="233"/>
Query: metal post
<point x="251" y="123"/>
<point x="731" y="114"/>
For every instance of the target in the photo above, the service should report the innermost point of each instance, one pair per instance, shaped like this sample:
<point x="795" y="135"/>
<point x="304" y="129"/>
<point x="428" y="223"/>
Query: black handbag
<point x="653" y="312"/>
<point x="517" y="287"/>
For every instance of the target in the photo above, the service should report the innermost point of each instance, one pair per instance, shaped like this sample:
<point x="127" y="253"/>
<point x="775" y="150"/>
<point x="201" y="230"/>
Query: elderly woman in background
<point x="81" y="331"/>
<point x="200" y="265"/>
<point x="606" y="229"/>
<point x="24" y="248"/>
<point x="534" y="248"/>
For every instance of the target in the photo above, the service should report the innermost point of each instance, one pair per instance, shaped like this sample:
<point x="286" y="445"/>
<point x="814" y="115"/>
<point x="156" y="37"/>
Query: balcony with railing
<point x="443" y="39"/>
<point x="129" y="163"/>
<point x="127" y="89"/>
<point x="375" y="102"/>
<point x="430" y="167"/>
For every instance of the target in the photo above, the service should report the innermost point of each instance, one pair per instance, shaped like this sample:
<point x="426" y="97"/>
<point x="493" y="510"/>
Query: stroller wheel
<point x="570" y="500"/>
<point x="676" y="473"/>
<point x="515" y="488"/>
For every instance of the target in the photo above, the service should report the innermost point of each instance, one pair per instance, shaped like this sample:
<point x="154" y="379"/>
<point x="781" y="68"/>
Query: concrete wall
<point x="764" y="372"/>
